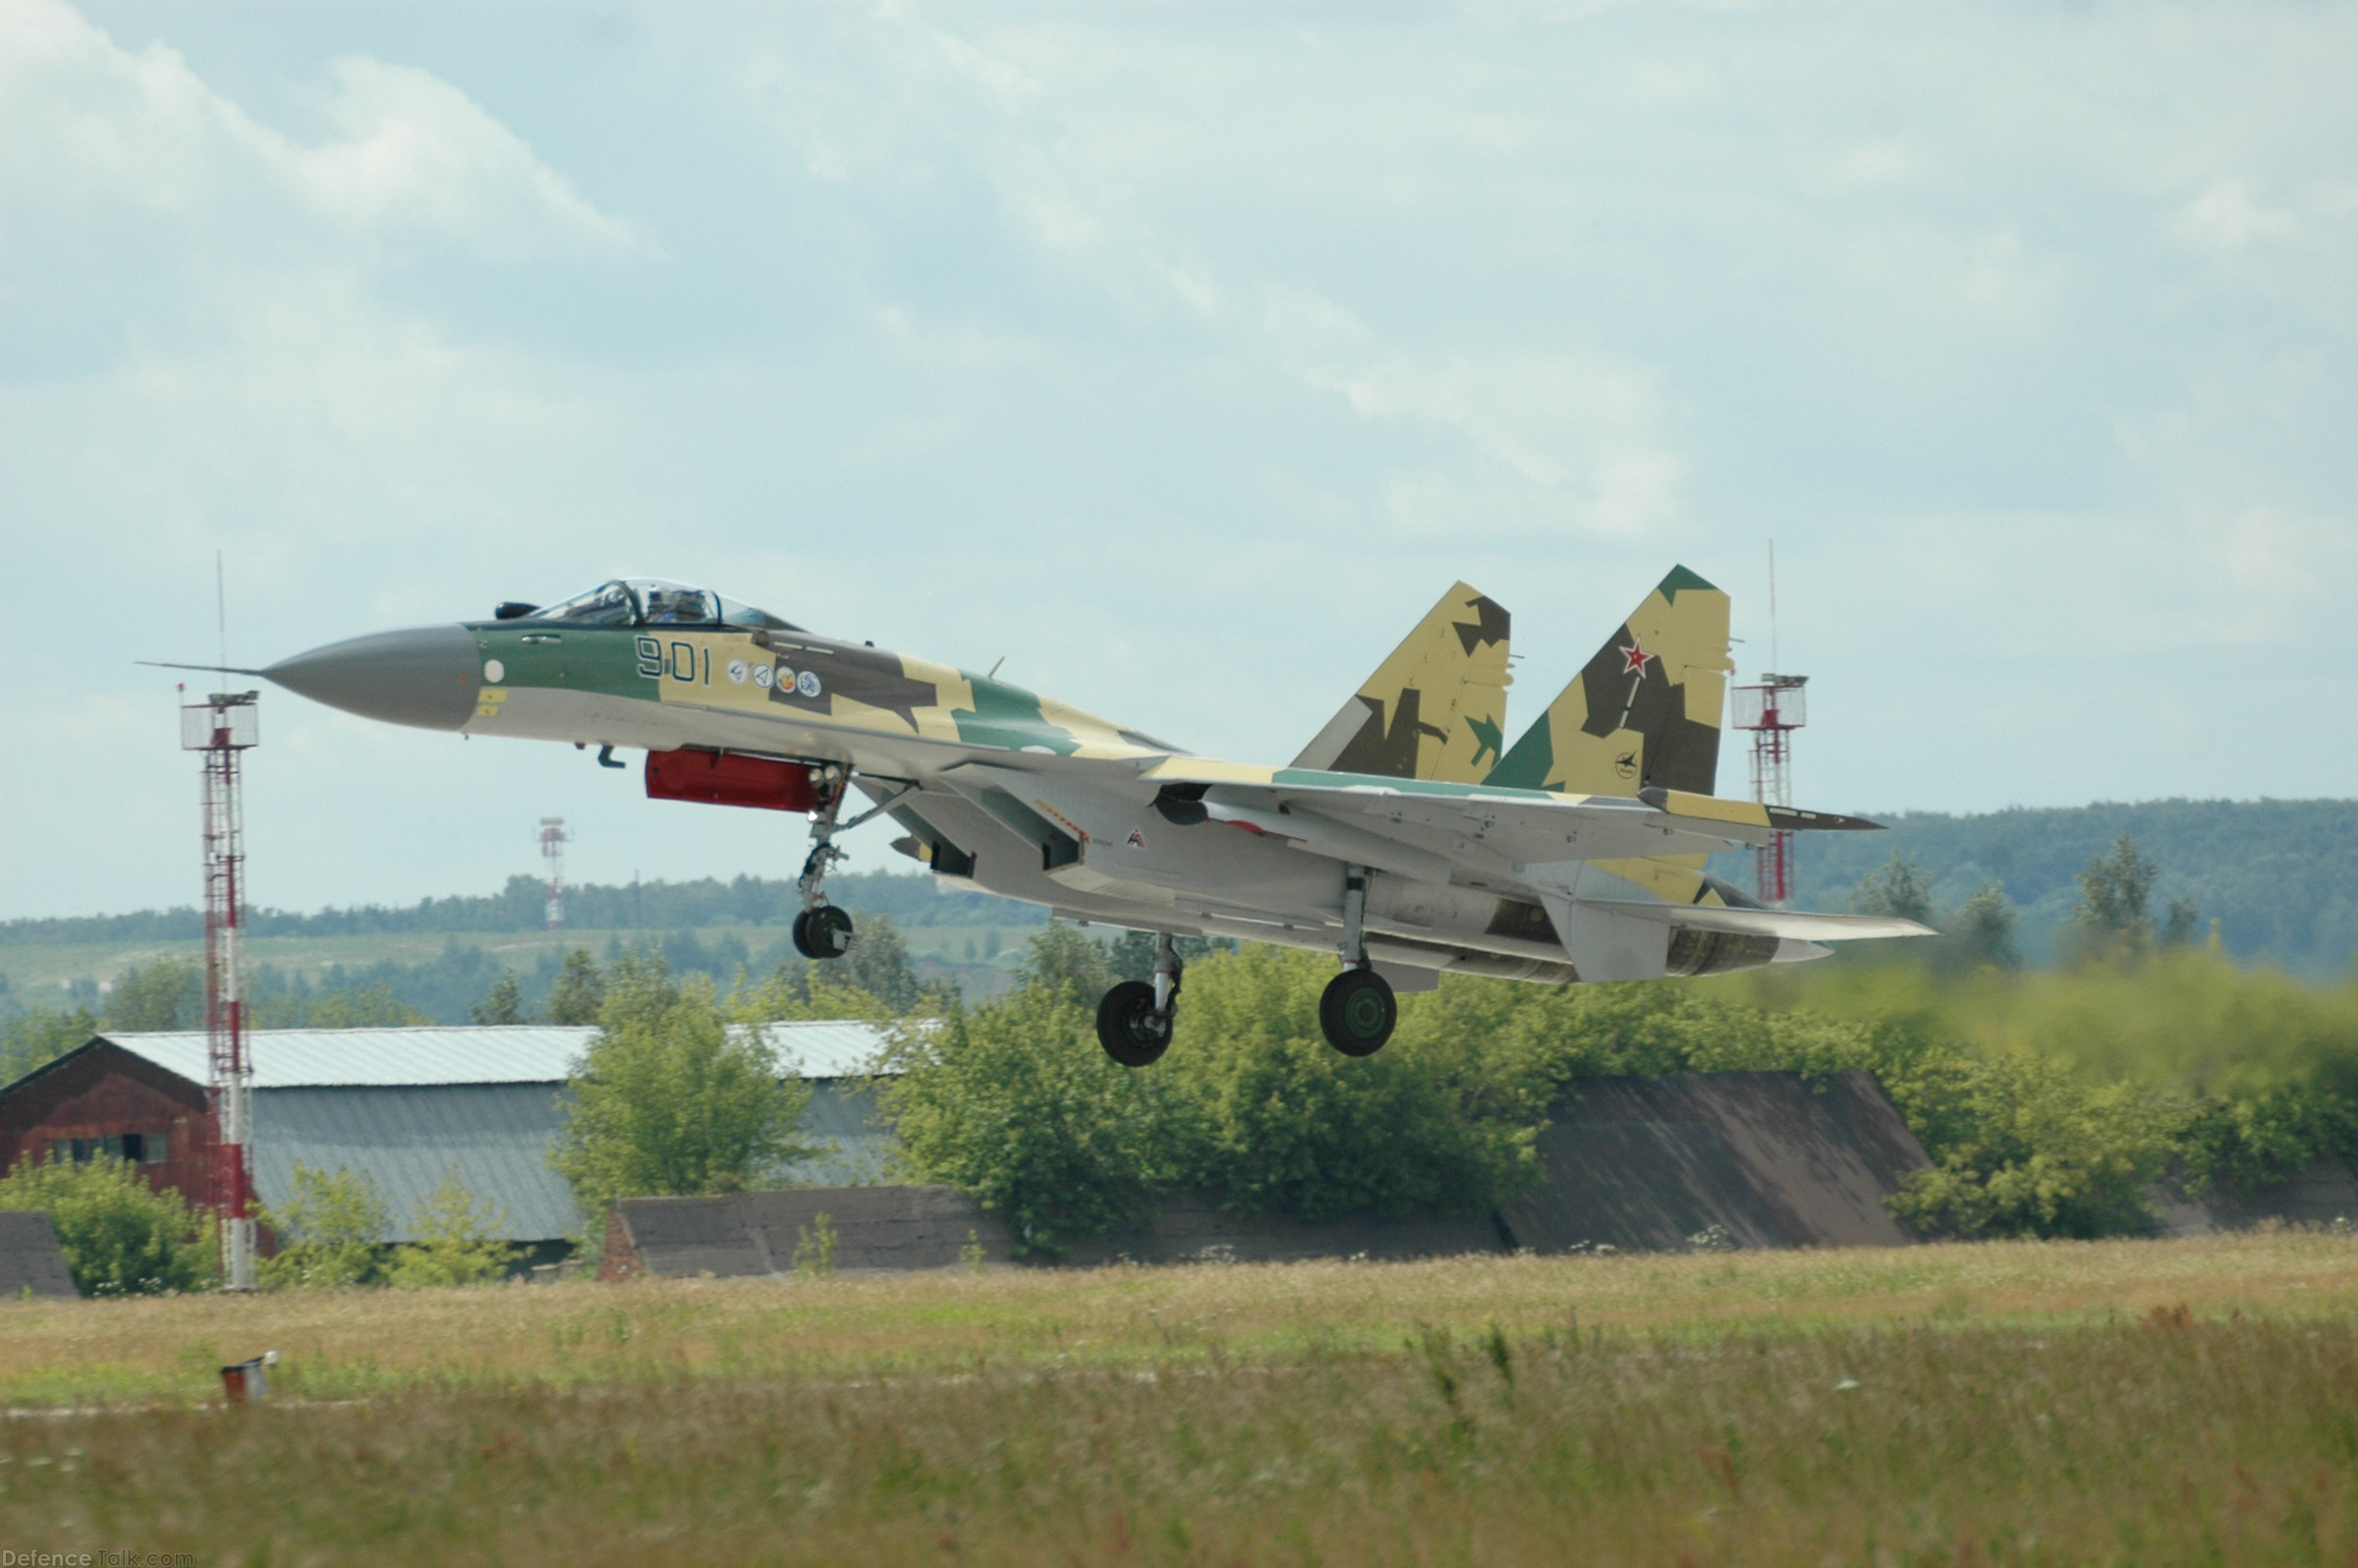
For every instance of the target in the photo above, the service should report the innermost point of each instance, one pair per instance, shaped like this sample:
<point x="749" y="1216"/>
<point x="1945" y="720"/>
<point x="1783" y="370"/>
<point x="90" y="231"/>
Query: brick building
<point x="404" y="1106"/>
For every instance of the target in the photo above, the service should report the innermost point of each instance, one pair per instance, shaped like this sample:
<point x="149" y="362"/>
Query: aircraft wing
<point x="1516" y="828"/>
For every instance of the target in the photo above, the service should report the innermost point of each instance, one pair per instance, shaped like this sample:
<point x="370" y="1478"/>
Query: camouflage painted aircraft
<point x="1407" y="838"/>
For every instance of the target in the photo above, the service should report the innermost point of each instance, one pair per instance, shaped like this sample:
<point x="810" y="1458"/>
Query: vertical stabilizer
<point x="1645" y="711"/>
<point x="1437" y="708"/>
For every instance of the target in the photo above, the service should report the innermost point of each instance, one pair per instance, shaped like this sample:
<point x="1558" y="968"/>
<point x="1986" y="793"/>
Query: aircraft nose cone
<point x="428" y="675"/>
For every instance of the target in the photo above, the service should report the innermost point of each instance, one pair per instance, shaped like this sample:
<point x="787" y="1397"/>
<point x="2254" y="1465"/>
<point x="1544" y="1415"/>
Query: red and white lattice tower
<point x="1772" y="710"/>
<point x="221" y="727"/>
<point x="554" y="839"/>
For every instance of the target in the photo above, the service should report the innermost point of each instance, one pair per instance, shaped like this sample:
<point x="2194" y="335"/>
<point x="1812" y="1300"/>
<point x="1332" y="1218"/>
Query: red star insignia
<point x="1634" y="658"/>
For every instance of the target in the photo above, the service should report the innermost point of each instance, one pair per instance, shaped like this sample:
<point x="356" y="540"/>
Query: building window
<point x="138" y="1149"/>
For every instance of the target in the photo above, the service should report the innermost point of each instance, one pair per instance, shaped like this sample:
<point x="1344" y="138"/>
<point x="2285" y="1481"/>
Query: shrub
<point x="120" y="1236"/>
<point x="458" y="1240"/>
<point x="328" y="1232"/>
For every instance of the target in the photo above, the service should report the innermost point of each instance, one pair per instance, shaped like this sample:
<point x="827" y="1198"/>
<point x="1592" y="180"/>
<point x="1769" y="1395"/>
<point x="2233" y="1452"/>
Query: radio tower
<point x="554" y="839"/>
<point x="222" y="726"/>
<point x="1772" y="710"/>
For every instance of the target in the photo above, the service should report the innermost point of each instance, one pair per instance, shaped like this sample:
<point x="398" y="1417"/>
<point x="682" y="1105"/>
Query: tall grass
<point x="2019" y="1403"/>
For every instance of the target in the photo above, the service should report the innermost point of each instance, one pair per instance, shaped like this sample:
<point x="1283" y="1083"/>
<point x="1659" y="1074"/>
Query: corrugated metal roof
<point x="831" y="1048"/>
<point x="481" y="1053"/>
<point x="305" y="1058"/>
<point x="408" y="1140"/>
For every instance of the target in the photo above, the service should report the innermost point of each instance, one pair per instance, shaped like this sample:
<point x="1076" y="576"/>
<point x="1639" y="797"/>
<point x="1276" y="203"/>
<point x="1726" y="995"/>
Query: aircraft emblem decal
<point x="1634" y="658"/>
<point x="1136" y="840"/>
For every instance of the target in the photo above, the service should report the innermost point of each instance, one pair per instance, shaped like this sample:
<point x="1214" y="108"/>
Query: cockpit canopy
<point x="650" y="601"/>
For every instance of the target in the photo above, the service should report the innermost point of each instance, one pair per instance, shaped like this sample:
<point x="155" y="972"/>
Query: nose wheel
<point x="823" y="931"/>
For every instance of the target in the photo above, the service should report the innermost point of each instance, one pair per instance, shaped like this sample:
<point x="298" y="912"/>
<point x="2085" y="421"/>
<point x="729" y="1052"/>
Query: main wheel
<point x="1128" y="1027"/>
<point x="822" y="932"/>
<point x="1357" y="1013"/>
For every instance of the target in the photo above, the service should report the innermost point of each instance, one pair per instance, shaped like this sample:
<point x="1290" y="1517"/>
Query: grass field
<point x="2128" y="1402"/>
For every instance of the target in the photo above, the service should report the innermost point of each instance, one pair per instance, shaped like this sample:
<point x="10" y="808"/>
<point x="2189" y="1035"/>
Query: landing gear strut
<point x="1135" y="1018"/>
<point x="822" y="931"/>
<point x="1356" y="1011"/>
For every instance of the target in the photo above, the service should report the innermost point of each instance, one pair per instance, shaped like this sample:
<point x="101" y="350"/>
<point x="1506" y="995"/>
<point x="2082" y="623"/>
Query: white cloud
<point x="2225" y="217"/>
<point x="94" y="134"/>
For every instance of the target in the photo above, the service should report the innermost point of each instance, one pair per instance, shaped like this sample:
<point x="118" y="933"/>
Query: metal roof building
<point x="405" y="1105"/>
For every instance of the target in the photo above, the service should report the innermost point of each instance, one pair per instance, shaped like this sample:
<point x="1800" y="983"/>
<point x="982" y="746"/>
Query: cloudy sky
<point x="1182" y="355"/>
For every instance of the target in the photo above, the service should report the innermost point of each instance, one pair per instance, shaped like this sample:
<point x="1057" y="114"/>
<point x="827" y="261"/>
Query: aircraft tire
<point x="822" y="932"/>
<point x="1357" y="1012"/>
<point x="1128" y="1027"/>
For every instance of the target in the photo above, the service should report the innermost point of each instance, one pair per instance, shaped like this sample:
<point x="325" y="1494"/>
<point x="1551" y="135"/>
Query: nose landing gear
<point x="822" y="931"/>
<point x="1135" y="1018"/>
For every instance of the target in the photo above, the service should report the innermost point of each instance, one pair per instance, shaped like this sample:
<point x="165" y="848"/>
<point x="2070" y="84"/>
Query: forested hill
<point x="910" y="899"/>
<point x="2281" y="877"/>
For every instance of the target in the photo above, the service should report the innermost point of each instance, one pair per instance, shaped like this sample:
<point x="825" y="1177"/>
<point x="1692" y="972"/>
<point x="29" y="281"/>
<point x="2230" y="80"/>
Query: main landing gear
<point x="1135" y="1018"/>
<point x="1356" y="1011"/>
<point x="822" y="931"/>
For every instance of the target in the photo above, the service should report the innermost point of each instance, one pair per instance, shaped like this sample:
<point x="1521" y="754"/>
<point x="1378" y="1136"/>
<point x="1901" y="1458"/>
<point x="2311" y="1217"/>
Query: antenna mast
<point x="1772" y="710"/>
<point x="221" y="727"/>
<point x="554" y="839"/>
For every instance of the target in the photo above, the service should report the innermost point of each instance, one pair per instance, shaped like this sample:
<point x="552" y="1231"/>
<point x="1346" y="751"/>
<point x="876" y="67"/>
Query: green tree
<point x="1064" y="960"/>
<point x="1013" y="1103"/>
<point x="2178" y="924"/>
<point x="2115" y="889"/>
<point x="578" y="992"/>
<point x="363" y="1007"/>
<point x="458" y="1240"/>
<point x="1895" y="888"/>
<point x="878" y="963"/>
<point x="1981" y="932"/>
<point x="1288" y="1123"/>
<point x="668" y="1099"/>
<point x="120" y="1235"/>
<point x="35" y="1039"/>
<point x="503" y="1004"/>
<point x="327" y="1233"/>
<point x="165" y="993"/>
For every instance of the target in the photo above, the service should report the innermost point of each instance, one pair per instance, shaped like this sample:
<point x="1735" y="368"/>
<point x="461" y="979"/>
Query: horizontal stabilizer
<point x="1797" y="925"/>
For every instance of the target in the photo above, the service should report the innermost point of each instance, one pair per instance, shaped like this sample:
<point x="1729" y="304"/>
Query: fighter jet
<point x="1407" y="838"/>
